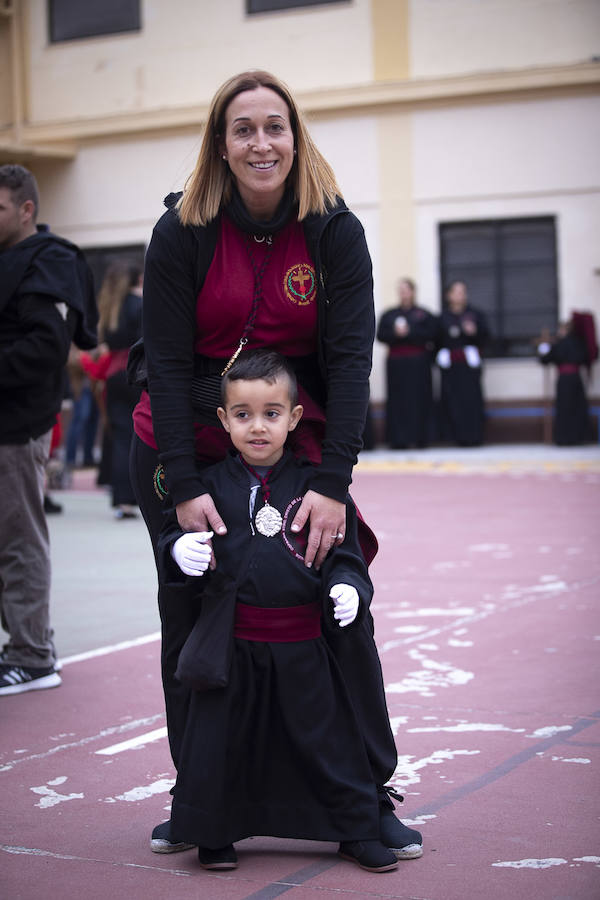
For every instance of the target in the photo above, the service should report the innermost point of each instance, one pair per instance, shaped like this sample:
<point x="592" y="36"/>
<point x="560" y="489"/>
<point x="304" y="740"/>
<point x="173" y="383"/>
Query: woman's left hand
<point x="327" y="524"/>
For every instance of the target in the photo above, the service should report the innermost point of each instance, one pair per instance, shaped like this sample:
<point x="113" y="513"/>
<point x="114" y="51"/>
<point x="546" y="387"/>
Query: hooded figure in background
<point x="574" y="346"/>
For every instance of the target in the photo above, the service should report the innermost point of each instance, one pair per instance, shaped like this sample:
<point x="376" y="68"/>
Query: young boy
<point x="278" y="751"/>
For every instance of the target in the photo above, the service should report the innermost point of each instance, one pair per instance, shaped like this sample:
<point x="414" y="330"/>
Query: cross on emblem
<point x="301" y="277"/>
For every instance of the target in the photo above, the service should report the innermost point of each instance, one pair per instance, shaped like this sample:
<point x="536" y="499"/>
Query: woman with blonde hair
<point x="259" y="250"/>
<point x="119" y="326"/>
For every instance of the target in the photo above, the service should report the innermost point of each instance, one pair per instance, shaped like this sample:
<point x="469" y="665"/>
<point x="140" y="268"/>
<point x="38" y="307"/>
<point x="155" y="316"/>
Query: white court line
<point x="104" y="651"/>
<point x="133" y="742"/>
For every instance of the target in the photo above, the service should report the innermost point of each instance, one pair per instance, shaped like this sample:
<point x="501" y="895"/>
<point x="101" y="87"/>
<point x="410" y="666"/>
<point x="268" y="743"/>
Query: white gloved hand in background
<point x="192" y="553"/>
<point x="443" y="358"/>
<point x="472" y="356"/>
<point x="345" y="603"/>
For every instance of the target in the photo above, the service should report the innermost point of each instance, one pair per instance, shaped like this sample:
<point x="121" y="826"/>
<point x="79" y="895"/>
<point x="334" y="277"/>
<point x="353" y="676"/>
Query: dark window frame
<point x="256" y="7"/>
<point x="74" y="20"/>
<point x="99" y="258"/>
<point x="505" y="344"/>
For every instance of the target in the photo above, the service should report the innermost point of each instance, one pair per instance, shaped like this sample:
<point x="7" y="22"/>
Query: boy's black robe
<point x="280" y="750"/>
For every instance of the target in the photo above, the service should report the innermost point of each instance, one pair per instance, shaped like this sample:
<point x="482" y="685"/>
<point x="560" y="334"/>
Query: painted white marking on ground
<point x="106" y="732"/>
<point x="415" y="629"/>
<point x="531" y="863"/>
<point x="33" y="851"/>
<point x="429" y="611"/>
<point x="396" y="722"/>
<point x="407" y="770"/>
<point x="113" y="648"/>
<point x="549" y="731"/>
<point x="487" y="548"/>
<point x="419" y="820"/>
<point x="50" y="797"/>
<point x="432" y="675"/>
<point x="162" y="786"/>
<point x="466" y="726"/>
<point x="578" y="759"/>
<point x="133" y="743"/>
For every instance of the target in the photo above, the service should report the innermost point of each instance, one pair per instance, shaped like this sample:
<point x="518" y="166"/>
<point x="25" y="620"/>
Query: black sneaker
<point x="369" y="855"/>
<point x="223" y="858"/>
<point x="404" y="842"/>
<point x="18" y="679"/>
<point x="161" y="841"/>
<point x="50" y="506"/>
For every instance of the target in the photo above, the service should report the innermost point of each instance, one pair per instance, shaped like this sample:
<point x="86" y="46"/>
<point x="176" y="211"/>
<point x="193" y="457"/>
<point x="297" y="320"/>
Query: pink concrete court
<point x="486" y="610"/>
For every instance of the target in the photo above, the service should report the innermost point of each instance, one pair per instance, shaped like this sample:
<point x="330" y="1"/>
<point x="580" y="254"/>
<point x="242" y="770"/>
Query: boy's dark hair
<point x="265" y="364"/>
<point x="22" y="186"/>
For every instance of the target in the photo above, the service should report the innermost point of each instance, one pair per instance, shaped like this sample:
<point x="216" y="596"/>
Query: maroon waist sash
<point x="407" y="350"/>
<point x="280" y="625"/>
<point x="568" y="369"/>
<point x="458" y="355"/>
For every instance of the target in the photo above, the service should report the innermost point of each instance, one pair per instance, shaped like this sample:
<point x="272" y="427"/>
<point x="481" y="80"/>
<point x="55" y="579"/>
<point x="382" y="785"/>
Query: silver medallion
<point x="268" y="521"/>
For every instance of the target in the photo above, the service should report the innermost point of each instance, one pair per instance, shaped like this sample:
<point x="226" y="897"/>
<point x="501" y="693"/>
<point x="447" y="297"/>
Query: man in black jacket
<point x="46" y="301"/>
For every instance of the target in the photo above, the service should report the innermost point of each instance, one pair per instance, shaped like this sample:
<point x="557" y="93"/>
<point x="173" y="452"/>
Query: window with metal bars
<point x="259" y="6"/>
<point x="510" y="269"/>
<point x="70" y="20"/>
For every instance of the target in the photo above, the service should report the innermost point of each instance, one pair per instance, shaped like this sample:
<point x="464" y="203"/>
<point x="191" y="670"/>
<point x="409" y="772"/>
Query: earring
<point x="224" y="157"/>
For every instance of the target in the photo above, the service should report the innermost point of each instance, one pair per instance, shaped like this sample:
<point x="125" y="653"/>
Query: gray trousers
<point x="25" y="555"/>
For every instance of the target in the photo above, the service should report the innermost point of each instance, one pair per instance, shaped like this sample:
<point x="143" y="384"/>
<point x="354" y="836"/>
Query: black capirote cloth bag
<point x="205" y="659"/>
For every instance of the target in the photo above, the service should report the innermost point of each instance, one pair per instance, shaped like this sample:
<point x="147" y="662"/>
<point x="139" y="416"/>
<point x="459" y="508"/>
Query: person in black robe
<point x="571" y="349"/>
<point x="409" y="331"/>
<point x="120" y="326"/>
<point x="279" y="751"/>
<point x="462" y="333"/>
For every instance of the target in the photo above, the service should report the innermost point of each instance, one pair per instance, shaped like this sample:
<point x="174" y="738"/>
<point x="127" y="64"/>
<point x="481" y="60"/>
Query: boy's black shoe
<point x="18" y="679"/>
<point x="369" y="855"/>
<point x="223" y="858"/>
<point x="404" y="842"/>
<point x="161" y="841"/>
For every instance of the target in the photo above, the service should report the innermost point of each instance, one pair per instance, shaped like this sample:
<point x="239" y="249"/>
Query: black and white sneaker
<point x="18" y="679"/>
<point x="161" y="841"/>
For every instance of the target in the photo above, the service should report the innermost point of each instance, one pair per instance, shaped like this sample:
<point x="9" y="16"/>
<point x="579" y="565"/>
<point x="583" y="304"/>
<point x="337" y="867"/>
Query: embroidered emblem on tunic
<point x="158" y="480"/>
<point x="299" y="284"/>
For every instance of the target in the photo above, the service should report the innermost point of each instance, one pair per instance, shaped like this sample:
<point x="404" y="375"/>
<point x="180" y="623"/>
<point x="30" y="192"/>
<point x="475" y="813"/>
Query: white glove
<point x="544" y="348"/>
<point x="472" y="356"/>
<point x="192" y="553"/>
<point x="345" y="603"/>
<point x="443" y="358"/>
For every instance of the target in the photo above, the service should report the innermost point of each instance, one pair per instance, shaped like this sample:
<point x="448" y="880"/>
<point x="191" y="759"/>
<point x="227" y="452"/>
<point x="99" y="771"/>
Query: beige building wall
<point x="454" y="37"/>
<point x="511" y="160"/>
<point x="428" y="110"/>
<point x="187" y="48"/>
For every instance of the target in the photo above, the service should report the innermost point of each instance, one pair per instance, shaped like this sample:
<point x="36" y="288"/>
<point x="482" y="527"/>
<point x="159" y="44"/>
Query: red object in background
<point x="584" y="325"/>
<point x="56" y="438"/>
<point x="96" y="368"/>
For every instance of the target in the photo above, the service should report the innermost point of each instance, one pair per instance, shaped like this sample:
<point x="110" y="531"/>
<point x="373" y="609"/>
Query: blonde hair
<point x="208" y="188"/>
<point x="120" y="277"/>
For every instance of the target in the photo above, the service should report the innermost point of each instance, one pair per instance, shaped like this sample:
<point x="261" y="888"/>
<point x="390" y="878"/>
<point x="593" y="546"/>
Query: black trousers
<point x="355" y="650"/>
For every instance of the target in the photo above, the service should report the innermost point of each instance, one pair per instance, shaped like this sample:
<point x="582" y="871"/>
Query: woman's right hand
<point x="200" y="514"/>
